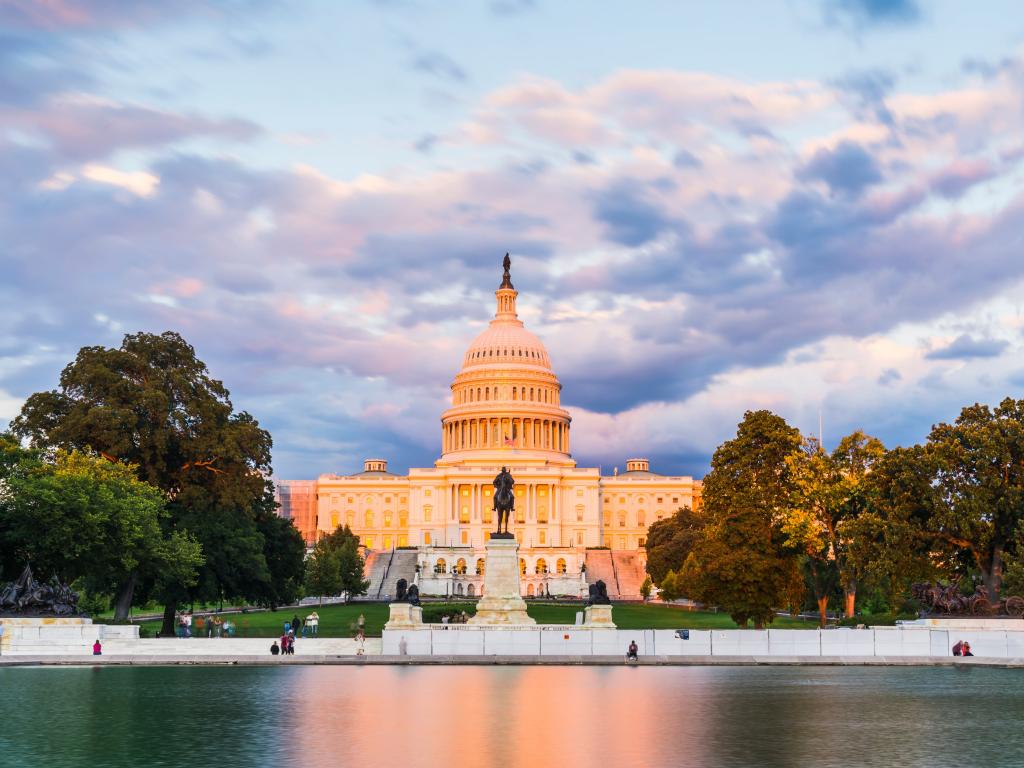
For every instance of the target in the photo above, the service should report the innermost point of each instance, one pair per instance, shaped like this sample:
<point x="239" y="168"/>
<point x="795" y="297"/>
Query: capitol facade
<point x="573" y="524"/>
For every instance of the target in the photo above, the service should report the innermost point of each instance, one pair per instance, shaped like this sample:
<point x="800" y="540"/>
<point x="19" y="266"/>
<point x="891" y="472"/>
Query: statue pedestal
<point x="502" y="603"/>
<point x="404" y="616"/>
<point x="599" y="616"/>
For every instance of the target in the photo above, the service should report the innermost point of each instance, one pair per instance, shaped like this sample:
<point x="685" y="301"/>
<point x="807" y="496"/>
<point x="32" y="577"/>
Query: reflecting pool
<point x="563" y="717"/>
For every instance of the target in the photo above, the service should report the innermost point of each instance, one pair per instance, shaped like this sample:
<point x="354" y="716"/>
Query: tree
<point x="323" y="572"/>
<point x="669" y="541"/>
<point x="645" y="588"/>
<point x="889" y="544"/>
<point x="829" y="491"/>
<point x="744" y="562"/>
<point x="79" y="517"/>
<point x="668" y="590"/>
<point x="979" y="462"/>
<point x="343" y="545"/>
<point x="151" y="403"/>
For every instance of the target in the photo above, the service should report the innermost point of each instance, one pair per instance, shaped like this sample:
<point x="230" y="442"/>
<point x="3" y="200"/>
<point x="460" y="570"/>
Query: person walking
<point x="316" y="623"/>
<point x="296" y="625"/>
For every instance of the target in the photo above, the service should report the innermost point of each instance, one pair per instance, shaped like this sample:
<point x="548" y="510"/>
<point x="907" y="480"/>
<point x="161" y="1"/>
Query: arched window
<point x="480" y="566"/>
<point x="440" y="566"/>
<point x="622" y="519"/>
<point x="369" y="519"/>
<point x="560" y="565"/>
<point x="471" y="590"/>
<point x="522" y="567"/>
<point x="403" y="518"/>
<point x="387" y="519"/>
<point x="542" y="565"/>
<point x="513" y="393"/>
<point x="350" y="518"/>
<point x="641" y="517"/>
<point x="529" y="590"/>
<point x="460" y="566"/>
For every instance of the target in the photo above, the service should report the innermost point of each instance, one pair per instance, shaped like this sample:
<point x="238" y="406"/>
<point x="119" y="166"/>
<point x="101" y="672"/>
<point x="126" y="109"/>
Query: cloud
<point x="55" y="15"/>
<point x="967" y="347"/>
<point x="440" y="65"/>
<point x="848" y="169"/>
<point x="628" y="213"/>
<point x="865" y="13"/>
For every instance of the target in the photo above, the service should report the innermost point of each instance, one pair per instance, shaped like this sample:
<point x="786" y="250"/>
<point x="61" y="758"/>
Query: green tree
<point x="343" y="546"/>
<point x="889" y="545"/>
<point x="829" y="491"/>
<point x="669" y="541"/>
<point x="744" y="562"/>
<point x="645" y="588"/>
<point x="669" y="588"/>
<point x="79" y="517"/>
<point x="979" y="462"/>
<point x="151" y="403"/>
<point x="323" y="572"/>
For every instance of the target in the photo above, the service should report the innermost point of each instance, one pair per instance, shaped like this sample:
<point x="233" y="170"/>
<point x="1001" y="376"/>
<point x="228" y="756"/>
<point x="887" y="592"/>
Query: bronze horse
<point x="504" y="499"/>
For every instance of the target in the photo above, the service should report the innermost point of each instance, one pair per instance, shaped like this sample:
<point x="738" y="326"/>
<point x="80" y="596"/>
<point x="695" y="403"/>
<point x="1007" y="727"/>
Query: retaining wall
<point x="578" y="641"/>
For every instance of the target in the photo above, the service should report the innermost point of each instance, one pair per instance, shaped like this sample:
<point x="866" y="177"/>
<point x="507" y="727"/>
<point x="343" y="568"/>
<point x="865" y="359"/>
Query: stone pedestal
<point x="404" y="616"/>
<point x="598" y="616"/>
<point x="502" y="603"/>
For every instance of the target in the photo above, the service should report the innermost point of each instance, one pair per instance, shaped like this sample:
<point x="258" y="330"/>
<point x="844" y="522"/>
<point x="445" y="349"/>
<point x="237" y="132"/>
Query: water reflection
<point x="511" y="716"/>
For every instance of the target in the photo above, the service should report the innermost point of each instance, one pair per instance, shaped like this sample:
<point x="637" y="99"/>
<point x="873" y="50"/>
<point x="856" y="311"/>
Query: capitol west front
<point x="573" y="525"/>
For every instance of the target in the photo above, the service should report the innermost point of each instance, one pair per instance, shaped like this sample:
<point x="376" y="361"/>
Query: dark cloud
<point x="629" y="215"/>
<point x="848" y="169"/>
<point x="440" y="65"/>
<point x="865" y="92"/>
<point x="425" y="144"/>
<point x="967" y="347"/>
<point x="686" y="159"/>
<point x="865" y="13"/>
<point x="889" y="376"/>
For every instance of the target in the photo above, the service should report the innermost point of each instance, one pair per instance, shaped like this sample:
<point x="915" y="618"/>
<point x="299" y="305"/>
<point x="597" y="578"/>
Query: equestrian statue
<point x="504" y="501"/>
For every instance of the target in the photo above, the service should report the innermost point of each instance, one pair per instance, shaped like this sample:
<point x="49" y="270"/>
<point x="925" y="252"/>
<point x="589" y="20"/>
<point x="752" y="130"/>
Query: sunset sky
<point x="812" y="205"/>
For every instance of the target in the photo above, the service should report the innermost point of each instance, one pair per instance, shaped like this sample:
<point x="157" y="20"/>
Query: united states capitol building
<point x="573" y="524"/>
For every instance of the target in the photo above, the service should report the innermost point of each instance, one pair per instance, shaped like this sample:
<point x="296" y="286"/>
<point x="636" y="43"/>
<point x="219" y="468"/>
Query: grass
<point x="340" y="620"/>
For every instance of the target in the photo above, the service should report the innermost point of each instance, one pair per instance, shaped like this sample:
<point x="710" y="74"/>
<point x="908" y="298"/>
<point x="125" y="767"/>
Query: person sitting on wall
<point x="958" y="649"/>
<point x="97" y="649"/>
<point x="274" y="649"/>
<point x="631" y="652"/>
<point x="967" y="650"/>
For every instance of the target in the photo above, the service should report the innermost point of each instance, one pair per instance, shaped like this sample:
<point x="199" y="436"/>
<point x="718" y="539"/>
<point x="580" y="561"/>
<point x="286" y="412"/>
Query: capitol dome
<point x="506" y="399"/>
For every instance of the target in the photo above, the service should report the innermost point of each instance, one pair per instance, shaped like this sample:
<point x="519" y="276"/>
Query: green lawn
<point x="340" y="620"/>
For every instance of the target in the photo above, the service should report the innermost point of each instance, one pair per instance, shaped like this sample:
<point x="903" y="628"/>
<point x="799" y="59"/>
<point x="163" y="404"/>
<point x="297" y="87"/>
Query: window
<point x="542" y="514"/>
<point x="428" y="511"/>
<point x="350" y="518"/>
<point x="426" y="492"/>
<point x="608" y="541"/>
<point x="641" y="518"/>
<point x="440" y="566"/>
<point x="622" y="542"/>
<point x="641" y="542"/>
<point x="579" y="538"/>
<point x="480" y="566"/>
<point x="387" y="519"/>
<point x="488" y="515"/>
<point x="560" y="565"/>
<point x="349" y="499"/>
<point x="387" y="542"/>
<point x="334" y="520"/>
<point x="579" y="491"/>
<point x="369" y="519"/>
<point x="542" y="565"/>
<point x="522" y="566"/>
<point x="465" y="537"/>
<point x="542" y="536"/>
<point x="465" y="491"/>
<point x="660" y="500"/>
<point x="464" y="515"/>
<point x="622" y="519"/>
<point x="403" y="540"/>
<point x="675" y="499"/>
<point x="460" y="566"/>
<point x="607" y="517"/>
<point x="519" y="515"/>
<point x="403" y="519"/>
<point x="579" y="513"/>
<point x="387" y="499"/>
<point x="426" y="538"/>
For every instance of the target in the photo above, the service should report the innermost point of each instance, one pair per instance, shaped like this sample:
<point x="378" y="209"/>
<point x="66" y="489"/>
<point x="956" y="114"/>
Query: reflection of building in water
<point x="432" y="523"/>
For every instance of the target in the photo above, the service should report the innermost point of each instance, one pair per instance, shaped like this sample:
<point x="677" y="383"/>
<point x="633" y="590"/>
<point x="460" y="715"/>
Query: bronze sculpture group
<point x="28" y="597"/>
<point x="949" y="600"/>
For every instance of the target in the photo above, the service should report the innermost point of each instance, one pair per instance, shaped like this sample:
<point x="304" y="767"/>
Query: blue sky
<point x="804" y="206"/>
